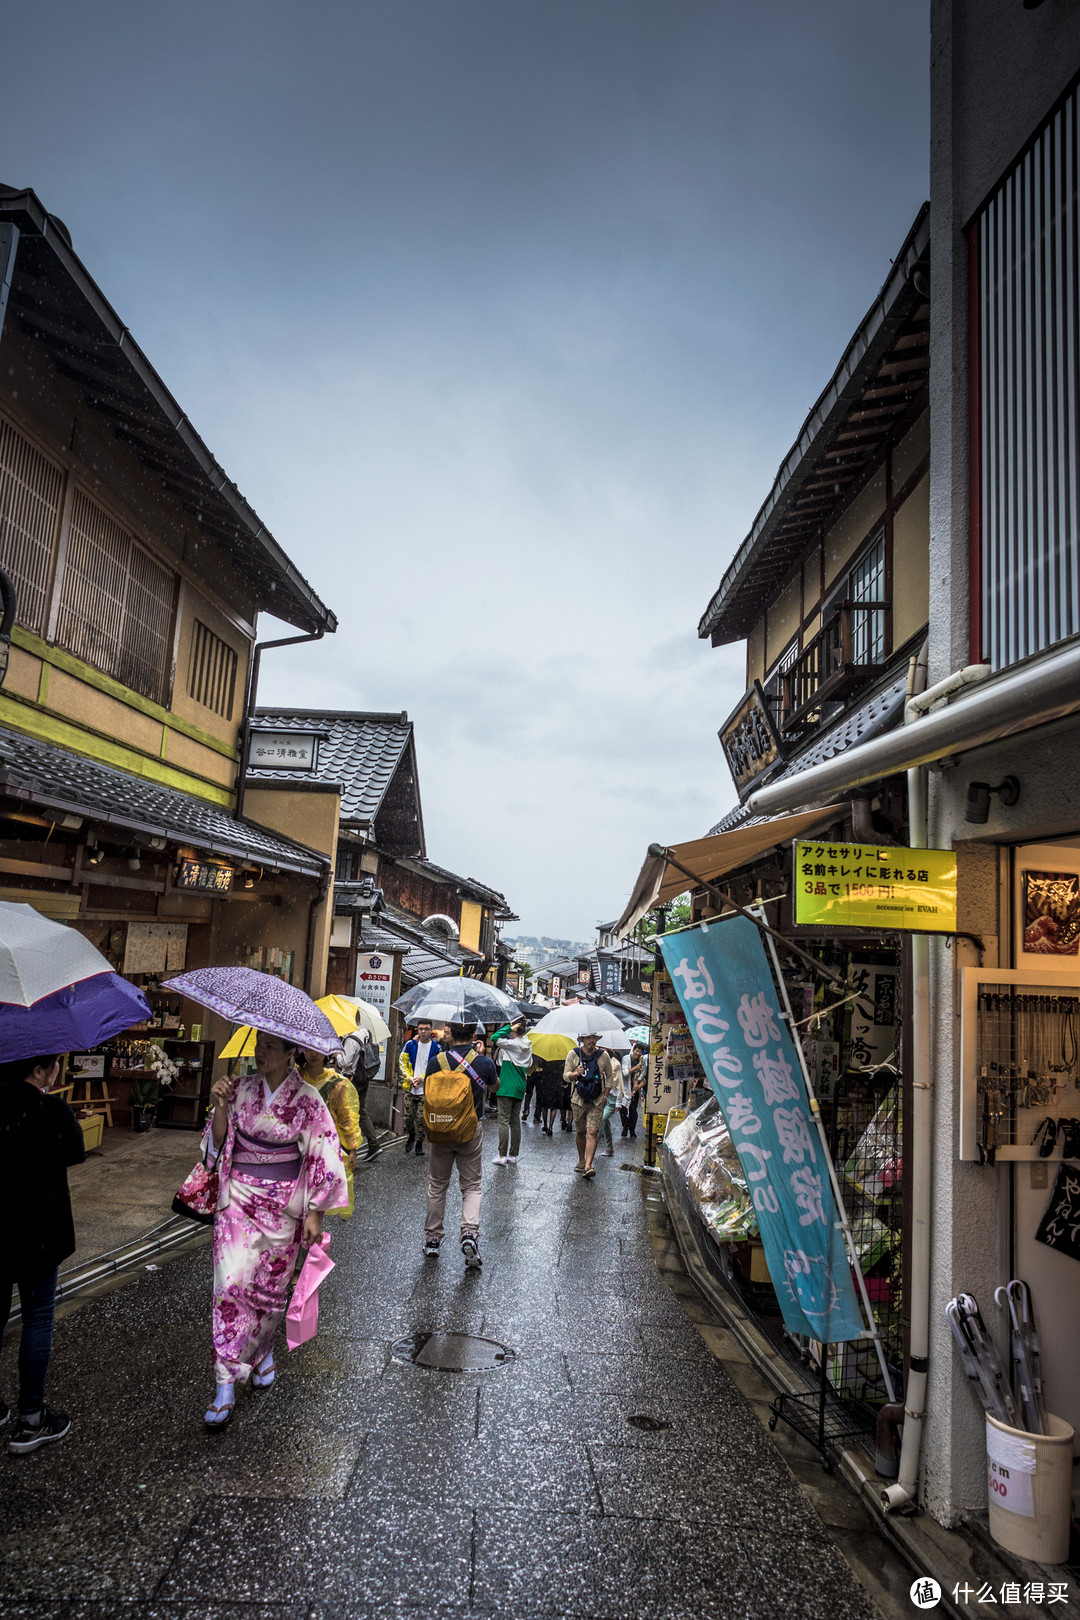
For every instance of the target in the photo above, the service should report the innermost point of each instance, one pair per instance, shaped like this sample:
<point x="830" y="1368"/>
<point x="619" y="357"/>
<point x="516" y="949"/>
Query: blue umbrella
<point x="79" y="1016"/>
<point x="57" y="992"/>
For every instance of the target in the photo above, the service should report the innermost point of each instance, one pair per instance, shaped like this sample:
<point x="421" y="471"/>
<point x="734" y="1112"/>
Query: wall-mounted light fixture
<point x="979" y="795"/>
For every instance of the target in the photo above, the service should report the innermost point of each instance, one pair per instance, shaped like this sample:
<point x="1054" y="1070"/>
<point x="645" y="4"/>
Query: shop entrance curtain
<point x="725" y="985"/>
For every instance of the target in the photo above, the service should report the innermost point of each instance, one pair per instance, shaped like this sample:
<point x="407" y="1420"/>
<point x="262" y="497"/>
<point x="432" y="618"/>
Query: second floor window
<point x="116" y="602"/>
<point x="866" y="593"/>
<point x="212" y="672"/>
<point x="30" y="491"/>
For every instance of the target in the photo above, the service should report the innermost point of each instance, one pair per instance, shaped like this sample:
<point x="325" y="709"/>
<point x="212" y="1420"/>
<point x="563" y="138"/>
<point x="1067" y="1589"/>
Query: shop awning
<point x="659" y="881"/>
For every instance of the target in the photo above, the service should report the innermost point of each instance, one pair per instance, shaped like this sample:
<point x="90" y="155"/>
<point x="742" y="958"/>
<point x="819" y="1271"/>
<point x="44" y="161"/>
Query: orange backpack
<point x="449" y="1110"/>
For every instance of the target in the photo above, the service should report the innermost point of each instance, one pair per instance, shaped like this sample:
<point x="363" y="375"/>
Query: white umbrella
<point x="580" y="1018"/>
<point x="614" y="1040"/>
<point x="39" y="957"/>
<point x="368" y="1017"/>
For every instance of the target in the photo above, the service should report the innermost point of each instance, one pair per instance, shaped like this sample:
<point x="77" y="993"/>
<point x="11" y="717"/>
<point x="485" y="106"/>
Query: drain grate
<point x="452" y="1352"/>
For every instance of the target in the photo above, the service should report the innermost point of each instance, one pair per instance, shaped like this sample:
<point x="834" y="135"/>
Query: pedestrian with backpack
<point x="590" y="1075"/>
<point x="514" y="1057"/>
<point x="359" y="1063"/>
<point x="456" y="1086"/>
<point x="416" y="1054"/>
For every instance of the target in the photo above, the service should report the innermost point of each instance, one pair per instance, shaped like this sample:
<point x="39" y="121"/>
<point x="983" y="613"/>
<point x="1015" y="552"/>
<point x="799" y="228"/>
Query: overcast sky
<point x="502" y="314"/>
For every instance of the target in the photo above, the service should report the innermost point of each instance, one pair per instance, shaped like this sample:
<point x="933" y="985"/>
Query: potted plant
<point x="146" y="1089"/>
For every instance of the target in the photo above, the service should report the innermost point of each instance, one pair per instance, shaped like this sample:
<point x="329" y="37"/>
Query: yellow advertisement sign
<point x="875" y="886"/>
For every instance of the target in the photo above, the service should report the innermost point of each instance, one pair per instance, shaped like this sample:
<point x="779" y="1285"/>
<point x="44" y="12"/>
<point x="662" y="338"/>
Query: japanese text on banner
<point x="724" y="982"/>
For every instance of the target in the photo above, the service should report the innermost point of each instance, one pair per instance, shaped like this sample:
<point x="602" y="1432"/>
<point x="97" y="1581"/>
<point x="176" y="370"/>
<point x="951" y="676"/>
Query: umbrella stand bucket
<point x="1030" y="1484"/>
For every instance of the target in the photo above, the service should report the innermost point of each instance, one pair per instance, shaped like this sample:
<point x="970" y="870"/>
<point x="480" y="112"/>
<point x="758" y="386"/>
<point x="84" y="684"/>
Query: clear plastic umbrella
<point x="457" y="1001"/>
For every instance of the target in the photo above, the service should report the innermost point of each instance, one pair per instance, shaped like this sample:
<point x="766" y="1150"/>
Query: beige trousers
<point x="469" y="1158"/>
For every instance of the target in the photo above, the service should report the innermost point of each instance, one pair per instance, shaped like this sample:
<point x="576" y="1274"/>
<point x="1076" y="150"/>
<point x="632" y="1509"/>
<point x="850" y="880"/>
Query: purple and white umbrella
<point x="244" y="996"/>
<point x="57" y="992"/>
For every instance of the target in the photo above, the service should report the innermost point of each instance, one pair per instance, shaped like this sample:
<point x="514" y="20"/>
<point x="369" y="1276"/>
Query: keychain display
<point x="1028" y="1050"/>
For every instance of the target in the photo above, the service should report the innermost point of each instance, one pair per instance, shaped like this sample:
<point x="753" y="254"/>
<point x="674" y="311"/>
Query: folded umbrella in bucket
<point x="302" y="1316"/>
<point x="57" y="992"/>
<point x="244" y="996"/>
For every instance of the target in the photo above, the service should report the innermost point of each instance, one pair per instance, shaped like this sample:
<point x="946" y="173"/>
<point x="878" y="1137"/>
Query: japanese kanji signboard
<point x="725" y="985"/>
<point x="875" y="886"/>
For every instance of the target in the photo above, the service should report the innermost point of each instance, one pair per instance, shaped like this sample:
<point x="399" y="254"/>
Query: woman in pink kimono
<point x="279" y="1167"/>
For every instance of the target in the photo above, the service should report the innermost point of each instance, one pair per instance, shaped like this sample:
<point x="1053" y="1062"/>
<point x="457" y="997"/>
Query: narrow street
<point x="364" y="1486"/>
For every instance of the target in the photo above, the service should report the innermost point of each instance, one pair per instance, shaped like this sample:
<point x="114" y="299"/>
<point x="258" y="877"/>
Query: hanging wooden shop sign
<point x="875" y="886"/>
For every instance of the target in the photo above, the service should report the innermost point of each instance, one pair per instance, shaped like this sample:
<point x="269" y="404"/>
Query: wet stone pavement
<point x="362" y="1485"/>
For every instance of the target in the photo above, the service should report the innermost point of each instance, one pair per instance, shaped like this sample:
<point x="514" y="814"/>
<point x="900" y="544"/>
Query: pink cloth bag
<point x="302" y="1316"/>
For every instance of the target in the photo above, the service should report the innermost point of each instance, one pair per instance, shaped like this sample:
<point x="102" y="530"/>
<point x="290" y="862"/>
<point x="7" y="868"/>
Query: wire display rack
<point x="820" y="1417"/>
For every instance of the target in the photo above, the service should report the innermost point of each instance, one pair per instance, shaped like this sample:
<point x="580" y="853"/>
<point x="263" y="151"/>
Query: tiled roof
<point x="417" y="964"/>
<point x="362" y="752"/>
<point x="879" y="713"/>
<point x="55" y="777"/>
<point x="483" y="889"/>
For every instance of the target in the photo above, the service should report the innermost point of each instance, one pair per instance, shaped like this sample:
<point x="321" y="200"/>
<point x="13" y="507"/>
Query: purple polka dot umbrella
<point x="244" y="996"/>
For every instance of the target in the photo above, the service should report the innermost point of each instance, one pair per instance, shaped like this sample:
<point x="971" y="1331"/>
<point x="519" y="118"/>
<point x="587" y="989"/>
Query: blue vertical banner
<point x="725" y="985"/>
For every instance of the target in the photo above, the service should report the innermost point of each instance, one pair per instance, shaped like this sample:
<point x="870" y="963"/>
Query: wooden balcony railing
<point x="843" y="657"/>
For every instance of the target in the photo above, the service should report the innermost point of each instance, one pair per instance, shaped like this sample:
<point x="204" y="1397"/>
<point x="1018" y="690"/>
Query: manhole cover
<point x="642" y="1420"/>
<point x="451" y="1352"/>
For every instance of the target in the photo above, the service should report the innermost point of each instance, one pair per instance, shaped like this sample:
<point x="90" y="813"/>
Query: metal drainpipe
<point x="249" y="705"/>
<point x="906" y="1490"/>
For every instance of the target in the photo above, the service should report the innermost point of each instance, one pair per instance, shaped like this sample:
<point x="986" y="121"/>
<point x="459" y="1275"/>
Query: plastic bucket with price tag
<point x="1030" y="1483"/>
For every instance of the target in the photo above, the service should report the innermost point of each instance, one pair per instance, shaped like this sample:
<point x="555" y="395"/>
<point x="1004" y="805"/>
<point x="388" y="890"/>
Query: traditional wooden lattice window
<point x="116" y="602"/>
<point x="212" y="672"/>
<point x="30" y="492"/>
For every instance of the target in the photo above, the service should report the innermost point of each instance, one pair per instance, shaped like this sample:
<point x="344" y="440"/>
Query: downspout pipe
<point x="905" y="1493"/>
<point x="250" y="698"/>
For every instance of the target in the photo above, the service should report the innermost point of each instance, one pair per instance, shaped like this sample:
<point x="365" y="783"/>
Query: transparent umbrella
<point x="457" y="1001"/>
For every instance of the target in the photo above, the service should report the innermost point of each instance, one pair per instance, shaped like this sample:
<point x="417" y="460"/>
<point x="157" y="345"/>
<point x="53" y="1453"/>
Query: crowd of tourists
<point x="279" y="1152"/>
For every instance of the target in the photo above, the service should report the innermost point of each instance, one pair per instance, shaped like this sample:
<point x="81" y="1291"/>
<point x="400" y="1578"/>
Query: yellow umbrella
<point x="351" y="1011"/>
<point x="240" y="1044"/>
<point x="551" y="1046"/>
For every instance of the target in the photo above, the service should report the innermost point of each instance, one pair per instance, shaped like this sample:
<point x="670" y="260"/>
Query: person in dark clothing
<point x="39" y="1138"/>
<point x="468" y="1156"/>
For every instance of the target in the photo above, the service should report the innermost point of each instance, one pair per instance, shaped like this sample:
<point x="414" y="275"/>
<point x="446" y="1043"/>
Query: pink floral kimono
<point x="280" y="1159"/>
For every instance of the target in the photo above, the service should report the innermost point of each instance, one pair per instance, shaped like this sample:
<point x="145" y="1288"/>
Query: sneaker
<point x="28" y="1436"/>
<point x="471" y="1252"/>
<point x="511" y="1158"/>
<point x="431" y="1248"/>
<point x="419" y="1150"/>
<point x="609" y="1153"/>
<point x="498" y="1159"/>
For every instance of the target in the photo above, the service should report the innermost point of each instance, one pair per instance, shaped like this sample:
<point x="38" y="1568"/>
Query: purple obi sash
<point x="268" y="1161"/>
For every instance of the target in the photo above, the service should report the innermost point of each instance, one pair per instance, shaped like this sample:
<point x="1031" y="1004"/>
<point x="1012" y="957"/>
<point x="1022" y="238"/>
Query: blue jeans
<point x="35" y="1345"/>
<point x="605" y="1129"/>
